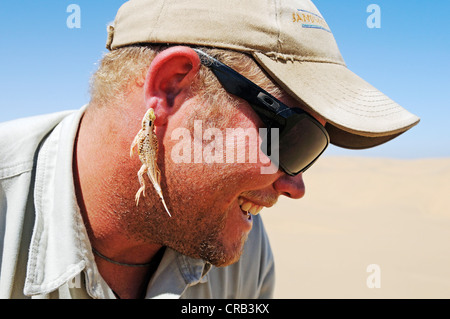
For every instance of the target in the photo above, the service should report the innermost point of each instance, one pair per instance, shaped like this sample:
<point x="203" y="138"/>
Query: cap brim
<point x="358" y="115"/>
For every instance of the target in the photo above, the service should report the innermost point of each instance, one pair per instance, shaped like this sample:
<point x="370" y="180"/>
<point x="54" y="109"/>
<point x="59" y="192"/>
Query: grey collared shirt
<point x="44" y="248"/>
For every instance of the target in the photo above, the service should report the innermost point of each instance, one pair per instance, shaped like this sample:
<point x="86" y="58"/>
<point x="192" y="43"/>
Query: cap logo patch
<point x="309" y="20"/>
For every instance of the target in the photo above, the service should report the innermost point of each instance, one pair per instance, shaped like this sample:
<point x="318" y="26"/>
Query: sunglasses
<point x="302" y="139"/>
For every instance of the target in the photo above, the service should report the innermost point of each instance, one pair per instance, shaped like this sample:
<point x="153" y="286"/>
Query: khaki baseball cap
<point x="290" y="40"/>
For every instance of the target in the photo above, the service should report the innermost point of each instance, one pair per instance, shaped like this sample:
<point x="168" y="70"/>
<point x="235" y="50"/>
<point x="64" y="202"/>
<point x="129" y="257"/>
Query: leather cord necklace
<point x="153" y="262"/>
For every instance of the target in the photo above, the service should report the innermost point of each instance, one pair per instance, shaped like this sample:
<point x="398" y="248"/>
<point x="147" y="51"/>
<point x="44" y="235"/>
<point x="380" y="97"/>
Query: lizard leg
<point x="140" y="174"/>
<point x="133" y="145"/>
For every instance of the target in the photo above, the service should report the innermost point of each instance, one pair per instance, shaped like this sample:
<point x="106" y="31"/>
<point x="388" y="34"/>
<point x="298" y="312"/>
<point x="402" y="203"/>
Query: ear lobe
<point x="169" y="79"/>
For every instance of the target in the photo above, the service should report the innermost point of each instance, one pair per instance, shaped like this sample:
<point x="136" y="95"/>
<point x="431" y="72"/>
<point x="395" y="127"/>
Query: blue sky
<point x="46" y="66"/>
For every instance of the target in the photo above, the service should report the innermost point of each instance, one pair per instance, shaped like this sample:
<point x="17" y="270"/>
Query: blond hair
<point x="121" y="69"/>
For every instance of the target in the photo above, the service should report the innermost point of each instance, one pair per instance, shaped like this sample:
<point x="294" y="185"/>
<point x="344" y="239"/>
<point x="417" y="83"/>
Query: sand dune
<point x="394" y="214"/>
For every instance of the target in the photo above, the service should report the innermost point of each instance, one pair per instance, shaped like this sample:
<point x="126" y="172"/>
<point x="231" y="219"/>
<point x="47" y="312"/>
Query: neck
<point x="127" y="281"/>
<point x="106" y="182"/>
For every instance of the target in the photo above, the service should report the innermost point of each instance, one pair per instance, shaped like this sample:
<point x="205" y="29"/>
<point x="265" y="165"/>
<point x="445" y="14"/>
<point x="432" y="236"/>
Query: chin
<point x="224" y="262"/>
<point x="223" y="254"/>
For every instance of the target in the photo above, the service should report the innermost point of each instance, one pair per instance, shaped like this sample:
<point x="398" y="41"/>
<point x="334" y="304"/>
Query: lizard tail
<point x="165" y="206"/>
<point x="155" y="182"/>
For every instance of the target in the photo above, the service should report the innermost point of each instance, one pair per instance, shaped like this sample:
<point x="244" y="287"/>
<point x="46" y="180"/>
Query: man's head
<point x="209" y="193"/>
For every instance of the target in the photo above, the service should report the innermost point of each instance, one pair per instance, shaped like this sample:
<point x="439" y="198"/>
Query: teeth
<point x="249" y="207"/>
<point x="253" y="210"/>
<point x="246" y="206"/>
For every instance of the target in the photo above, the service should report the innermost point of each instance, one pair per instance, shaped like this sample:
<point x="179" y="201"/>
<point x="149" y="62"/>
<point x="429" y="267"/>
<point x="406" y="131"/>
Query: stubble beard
<point x="197" y="238"/>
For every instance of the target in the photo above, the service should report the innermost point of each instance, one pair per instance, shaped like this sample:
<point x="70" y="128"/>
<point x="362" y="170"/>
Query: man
<point x="72" y="224"/>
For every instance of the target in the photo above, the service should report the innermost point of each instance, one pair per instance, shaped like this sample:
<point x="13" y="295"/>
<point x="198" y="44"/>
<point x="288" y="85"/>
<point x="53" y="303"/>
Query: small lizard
<point x="147" y="147"/>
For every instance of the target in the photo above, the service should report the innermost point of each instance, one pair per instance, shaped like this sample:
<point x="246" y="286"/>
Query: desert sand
<point x="366" y="228"/>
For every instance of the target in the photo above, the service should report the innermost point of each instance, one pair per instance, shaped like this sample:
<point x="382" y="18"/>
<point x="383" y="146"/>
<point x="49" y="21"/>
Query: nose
<point x="290" y="186"/>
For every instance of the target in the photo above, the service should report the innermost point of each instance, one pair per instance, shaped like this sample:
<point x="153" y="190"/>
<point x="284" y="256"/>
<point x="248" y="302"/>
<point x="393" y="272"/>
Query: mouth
<point x="249" y="208"/>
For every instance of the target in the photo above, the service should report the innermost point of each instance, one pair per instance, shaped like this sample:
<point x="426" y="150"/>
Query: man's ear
<point x="169" y="79"/>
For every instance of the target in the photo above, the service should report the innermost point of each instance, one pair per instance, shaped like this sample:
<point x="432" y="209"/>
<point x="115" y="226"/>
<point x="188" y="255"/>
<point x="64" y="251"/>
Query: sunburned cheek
<point x="212" y="184"/>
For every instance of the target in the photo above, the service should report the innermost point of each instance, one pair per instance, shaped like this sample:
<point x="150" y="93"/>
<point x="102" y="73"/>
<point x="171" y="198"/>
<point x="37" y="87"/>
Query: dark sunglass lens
<point x="301" y="145"/>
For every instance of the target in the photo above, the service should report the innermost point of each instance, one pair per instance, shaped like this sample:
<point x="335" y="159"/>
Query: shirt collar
<point x="60" y="247"/>
<point x="175" y="274"/>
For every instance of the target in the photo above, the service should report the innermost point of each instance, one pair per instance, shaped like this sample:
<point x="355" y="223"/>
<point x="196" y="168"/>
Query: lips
<point x="248" y="207"/>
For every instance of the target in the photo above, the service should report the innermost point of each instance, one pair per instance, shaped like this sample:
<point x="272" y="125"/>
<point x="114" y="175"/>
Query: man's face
<point x="205" y="197"/>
